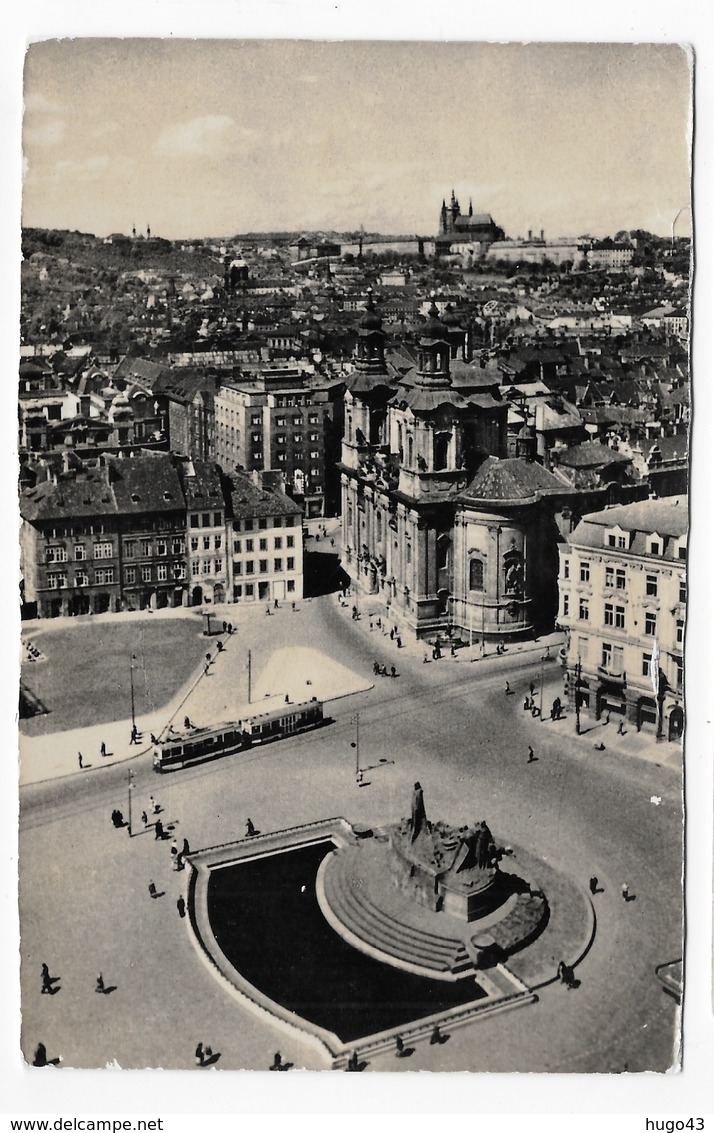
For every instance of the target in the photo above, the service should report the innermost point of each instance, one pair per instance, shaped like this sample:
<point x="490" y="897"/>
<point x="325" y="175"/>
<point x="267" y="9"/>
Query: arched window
<point x="476" y="574"/>
<point x="410" y="450"/>
<point x="378" y="525"/>
<point x="441" y="450"/>
<point x="349" y="426"/>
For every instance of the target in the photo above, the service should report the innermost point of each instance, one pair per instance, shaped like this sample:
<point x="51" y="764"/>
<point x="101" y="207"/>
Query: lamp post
<point x="542" y="666"/>
<point x="355" y="745"/>
<point x="133" y="706"/>
<point x="578" y="670"/>
<point x="130" y="792"/>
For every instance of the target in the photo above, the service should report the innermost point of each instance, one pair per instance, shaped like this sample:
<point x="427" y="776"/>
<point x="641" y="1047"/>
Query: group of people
<point x="382" y="671"/>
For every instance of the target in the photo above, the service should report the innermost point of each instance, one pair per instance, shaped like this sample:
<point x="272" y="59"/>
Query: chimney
<point x="542" y="234"/>
<point x="530" y="233"/>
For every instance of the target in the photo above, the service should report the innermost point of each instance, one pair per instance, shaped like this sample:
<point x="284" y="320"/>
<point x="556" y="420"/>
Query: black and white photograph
<point x="353" y="468"/>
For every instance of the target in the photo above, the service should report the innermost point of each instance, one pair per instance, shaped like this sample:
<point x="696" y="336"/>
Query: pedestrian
<point x="276" y="604"/>
<point x="267" y="610"/>
<point x="41" y="1059"/>
<point x="593" y="885"/>
<point x="621" y="728"/>
<point x="531" y="688"/>
<point x="81" y="761"/>
<point x="250" y="829"/>
<point x="102" y="748"/>
<point x="199" y="1054"/>
<point x="393" y="671"/>
<point x="436" y="1036"/>
<point x="155" y="808"/>
<point x="134" y="734"/>
<point x="391" y="635"/>
<point x="453" y="649"/>
<point x="293" y="607"/>
<point x="507" y="689"/>
<point x="153" y="891"/>
<point x="527" y="704"/>
<point x="100" y="984"/>
<point x="531" y="755"/>
<point x="47" y="981"/>
<point x="426" y="659"/>
<point x="277" y="1061"/>
<point x="181" y="906"/>
<point x="625" y="890"/>
<point x="225" y="627"/>
<point x="399" y="1043"/>
<point x="158" y="830"/>
<point x="174" y="848"/>
<point x="144" y="818"/>
<point x="399" y="642"/>
<point x="185" y="848"/>
<point x="371" y="627"/>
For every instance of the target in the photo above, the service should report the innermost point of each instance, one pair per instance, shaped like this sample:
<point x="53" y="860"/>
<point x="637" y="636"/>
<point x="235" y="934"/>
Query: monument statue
<point x="418" y="820"/>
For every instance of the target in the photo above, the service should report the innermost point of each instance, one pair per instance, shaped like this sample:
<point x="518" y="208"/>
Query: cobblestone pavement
<point x="85" y="900"/>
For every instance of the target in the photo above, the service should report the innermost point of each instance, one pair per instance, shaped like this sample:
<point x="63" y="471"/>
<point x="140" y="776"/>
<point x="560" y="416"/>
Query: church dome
<point x="436" y="330"/>
<point x="370" y="320"/>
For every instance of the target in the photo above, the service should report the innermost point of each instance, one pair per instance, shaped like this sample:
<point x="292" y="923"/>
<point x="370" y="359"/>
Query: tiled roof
<point x="591" y="454"/>
<point x="146" y="483"/>
<point x="667" y="517"/>
<point x="248" y="500"/>
<point x="515" y="481"/>
<point x="69" y="498"/>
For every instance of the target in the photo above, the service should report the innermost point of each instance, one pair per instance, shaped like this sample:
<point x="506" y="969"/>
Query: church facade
<point x="439" y="530"/>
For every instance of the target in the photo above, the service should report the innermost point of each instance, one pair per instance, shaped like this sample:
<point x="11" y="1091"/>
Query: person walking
<point x="593" y="885"/>
<point x="103" y="748"/>
<point x="100" y="984"/>
<point x="181" y="906"/>
<point x="47" y="981"/>
<point x="399" y="1043"/>
<point x="507" y="690"/>
<point x="80" y="760"/>
<point x="250" y="828"/>
<point x="531" y="755"/>
<point x="625" y="890"/>
<point x="158" y="830"/>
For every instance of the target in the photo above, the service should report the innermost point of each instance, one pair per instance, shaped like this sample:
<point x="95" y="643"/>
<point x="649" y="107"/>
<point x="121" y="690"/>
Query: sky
<point x="214" y="137"/>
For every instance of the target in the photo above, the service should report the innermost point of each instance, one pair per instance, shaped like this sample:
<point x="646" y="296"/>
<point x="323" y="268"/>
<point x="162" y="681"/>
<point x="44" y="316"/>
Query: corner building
<point x="622" y="601"/>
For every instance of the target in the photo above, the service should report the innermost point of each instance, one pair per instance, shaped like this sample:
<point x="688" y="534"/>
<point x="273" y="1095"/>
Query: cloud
<point x="87" y="169"/>
<point x="49" y="133"/>
<point x="208" y="136"/>
<point x="38" y="104"/>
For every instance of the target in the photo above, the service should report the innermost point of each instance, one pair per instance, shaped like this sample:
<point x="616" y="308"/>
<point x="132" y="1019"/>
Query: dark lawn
<point x="85" y="677"/>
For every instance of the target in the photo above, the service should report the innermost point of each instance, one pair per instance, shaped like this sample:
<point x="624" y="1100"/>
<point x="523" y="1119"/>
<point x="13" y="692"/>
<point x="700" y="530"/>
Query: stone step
<point x="391" y="936"/>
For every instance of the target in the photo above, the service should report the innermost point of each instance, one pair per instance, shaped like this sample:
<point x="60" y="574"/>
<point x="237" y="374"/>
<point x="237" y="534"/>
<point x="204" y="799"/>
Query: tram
<point x="197" y="745"/>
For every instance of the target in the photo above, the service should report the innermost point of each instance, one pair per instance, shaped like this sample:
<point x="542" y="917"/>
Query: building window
<point x="584" y="610"/>
<point x="650" y="624"/>
<point x="178" y="547"/>
<point x="291" y="586"/>
<point x="236" y="546"/>
<point x="130" y="576"/>
<point x="237" y="592"/>
<point x="290" y="521"/>
<point x="682" y="590"/>
<point x="81" y="578"/>
<point x="682" y="552"/>
<point x="277" y="564"/>
<point x="619" y="617"/>
<point x="217" y="542"/>
<point x="610" y="576"/>
<point x="205" y="519"/>
<point x="194" y="521"/>
<point x="262" y="524"/>
<point x="56" y="555"/>
<point x="195" y="567"/>
<point x="194" y="542"/>
<point x="238" y="568"/>
<point x="249" y="590"/>
<point x="606" y="659"/>
<point x="277" y="543"/>
<point x="620" y="579"/>
<point x="290" y="564"/>
<point x="255" y="419"/>
<point x="206" y="566"/>
<point x="217" y="519"/>
<point x="476" y="574"/>
<point x="179" y="571"/>
<point x="249" y="546"/>
<point x="103" y="550"/>
<point x="262" y="544"/>
<point x="206" y="542"/>
<point x="280" y="439"/>
<point x="56" y="580"/>
<point x="145" y="547"/>
<point x="314" y="437"/>
<point x="263" y="566"/>
<point x="290" y="541"/>
<point x="103" y="575"/>
<point x="217" y="566"/>
<point x="680" y="672"/>
<point x="129" y="549"/>
<point x="651" y="585"/>
<point x="297" y="438"/>
<point x="256" y="438"/>
<point x="566" y="568"/>
<point x="162" y="572"/>
<point x="680" y="631"/>
<point x="80" y="552"/>
<point x="280" y="422"/>
<point x="146" y="574"/>
<point x="313" y="419"/>
<point x="314" y="455"/>
<point x="609" y="614"/>
<point x="162" y="547"/>
<point x="566" y="605"/>
<point x="250" y="567"/>
<point x="282" y="457"/>
<point x="585" y="572"/>
<point x="646" y="664"/>
<point x="655" y="547"/>
<point x="297" y="420"/>
<point x="248" y="525"/>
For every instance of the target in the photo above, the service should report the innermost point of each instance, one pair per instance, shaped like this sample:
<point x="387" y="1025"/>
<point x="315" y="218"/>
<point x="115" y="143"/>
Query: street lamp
<point x="130" y="793"/>
<point x="133" y="706"/>
<point x="542" y="664"/>
<point x="578" y="670"/>
<point x="355" y="745"/>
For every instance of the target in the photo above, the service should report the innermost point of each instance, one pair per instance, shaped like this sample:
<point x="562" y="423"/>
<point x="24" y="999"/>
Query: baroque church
<point x="440" y="531"/>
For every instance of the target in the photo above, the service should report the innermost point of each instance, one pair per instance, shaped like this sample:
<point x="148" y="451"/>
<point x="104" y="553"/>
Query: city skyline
<point x="213" y="138"/>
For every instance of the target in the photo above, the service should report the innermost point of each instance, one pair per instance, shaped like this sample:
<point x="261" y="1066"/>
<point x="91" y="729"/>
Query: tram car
<point x="197" y="745"/>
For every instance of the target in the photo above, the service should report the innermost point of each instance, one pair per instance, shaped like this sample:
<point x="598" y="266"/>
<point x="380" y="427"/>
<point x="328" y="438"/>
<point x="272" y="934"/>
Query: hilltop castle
<point x="471" y="228"/>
